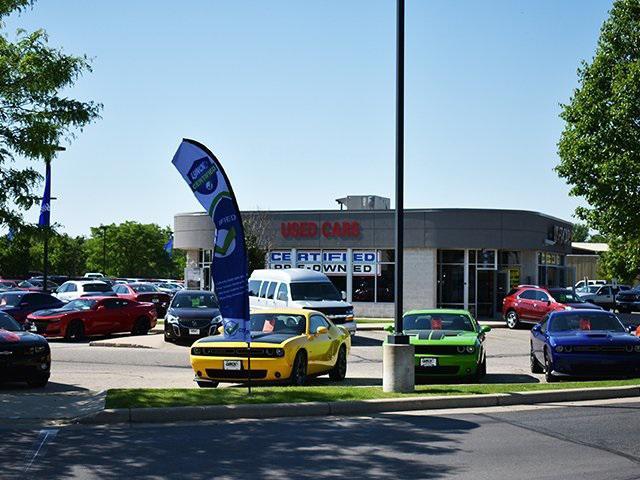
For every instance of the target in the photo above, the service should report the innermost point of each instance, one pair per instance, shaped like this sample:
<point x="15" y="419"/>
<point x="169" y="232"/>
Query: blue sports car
<point x="583" y="343"/>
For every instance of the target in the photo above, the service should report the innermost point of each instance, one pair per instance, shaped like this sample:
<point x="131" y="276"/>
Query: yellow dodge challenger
<point x="288" y="345"/>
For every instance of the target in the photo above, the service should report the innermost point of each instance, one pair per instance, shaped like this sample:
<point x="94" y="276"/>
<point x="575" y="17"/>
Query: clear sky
<point x="297" y="101"/>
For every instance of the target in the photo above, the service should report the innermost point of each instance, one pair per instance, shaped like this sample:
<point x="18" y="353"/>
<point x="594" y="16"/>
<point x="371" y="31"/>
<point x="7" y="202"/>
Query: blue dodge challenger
<point x="583" y="343"/>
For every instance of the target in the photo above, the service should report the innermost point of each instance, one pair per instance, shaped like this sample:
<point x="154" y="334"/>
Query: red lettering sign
<point x="348" y="229"/>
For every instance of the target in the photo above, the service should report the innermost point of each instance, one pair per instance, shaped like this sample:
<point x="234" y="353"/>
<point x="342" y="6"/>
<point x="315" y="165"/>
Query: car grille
<point x="195" y="322"/>
<point x="337" y="315"/>
<point x="17" y="351"/>
<point x="627" y="297"/>
<point x="238" y="352"/>
<point x="41" y="326"/>
<point x="235" y="374"/>
<point x="439" y="350"/>
<point x="449" y="370"/>
<point x="599" y="349"/>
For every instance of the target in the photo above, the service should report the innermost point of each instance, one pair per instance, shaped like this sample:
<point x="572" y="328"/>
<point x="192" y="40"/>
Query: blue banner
<point x="168" y="247"/>
<point x="210" y="184"/>
<point x="45" y="206"/>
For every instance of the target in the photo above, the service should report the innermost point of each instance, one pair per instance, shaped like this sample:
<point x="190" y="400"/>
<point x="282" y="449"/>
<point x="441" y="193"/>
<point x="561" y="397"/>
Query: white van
<point x="300" y="288"/>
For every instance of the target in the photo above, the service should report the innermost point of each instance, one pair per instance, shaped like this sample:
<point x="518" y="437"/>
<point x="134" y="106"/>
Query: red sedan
<point x="95" y="316"/>
<point x="144" y="292"/>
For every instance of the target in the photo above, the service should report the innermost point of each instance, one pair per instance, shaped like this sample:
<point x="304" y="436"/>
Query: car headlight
<point x="559" y="349"/>
<point x="172" y="318"/>
<point x="349" y="311"/>
<point x="279" y="352"/>
<point x="637" y="348"/>
<point x="40" y="349"/>
<point x="217" y="319"/>
<point x="471" y="349"/>
<point x="196" y="351"/>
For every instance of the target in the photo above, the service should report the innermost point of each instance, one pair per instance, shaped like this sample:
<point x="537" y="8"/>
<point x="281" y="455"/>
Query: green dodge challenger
<point x="448" y="343"/>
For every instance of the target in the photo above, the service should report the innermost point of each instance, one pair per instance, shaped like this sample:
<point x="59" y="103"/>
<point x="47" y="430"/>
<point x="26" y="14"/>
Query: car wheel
<point x="299" y="370"/>
<point x="481" y="371"/>
<point x="207" y="384"/>
<point x="535" y="365"/>
<point x="513" y="321"/>
<point x="141" y="327"/>
<point x="38" y="382"/>
<point x="339" y="371"/>
<point x="548" y="369"/>
<point x="75" y="331"/>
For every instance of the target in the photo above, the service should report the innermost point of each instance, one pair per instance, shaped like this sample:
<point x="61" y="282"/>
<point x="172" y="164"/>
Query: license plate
<point x="194" y="331"/>
<point x="233" y="364"/>
<point x="428" y="362"/>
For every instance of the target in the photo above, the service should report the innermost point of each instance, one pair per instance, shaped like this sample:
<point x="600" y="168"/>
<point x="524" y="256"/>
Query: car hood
<point x="442" y="337"/>
<point x="194" y="312"/>
<point x="583" y="306"/>
<point x="311" y="304"/>
<point x="256" y="338"/>
<point x="53" y="312"/>
<point x="23" y="338"/>
<point x="594" y="337"/>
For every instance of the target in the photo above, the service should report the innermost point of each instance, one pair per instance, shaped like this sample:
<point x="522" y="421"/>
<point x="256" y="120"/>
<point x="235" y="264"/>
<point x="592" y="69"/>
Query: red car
<point x="95" y="316"/>
<point x="528" y="304"/>
<point x="144" y="292"/>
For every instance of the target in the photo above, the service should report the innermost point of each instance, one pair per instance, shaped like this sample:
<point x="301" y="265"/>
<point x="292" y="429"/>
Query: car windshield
<point x="8" y="323"/>
<point x="274" y="323"/>
<point x="565" y="296"/>
<point x="438" y="321"/>
<point x="314" y="291"/>
<point x="79" y="304"/>
<point x="591" y="288"/>
<point x="144" y="287"/>
<point x="570" y="322"/>
<point x="96" y="287"/>
<point x="195" y="300"/>
<point x="10" y="300"/>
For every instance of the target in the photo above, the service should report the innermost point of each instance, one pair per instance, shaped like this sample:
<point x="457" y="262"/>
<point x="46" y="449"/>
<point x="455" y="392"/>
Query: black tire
<point x="535" y="364"/>
<point x="299" y="370"/>
<point x="38" y="382"/>
<point x="512" y="319"/>
<point x="207" y="384"/>
<point x="141" y="326"/>
<point x="75" y="331"/>
<point x="339" y="371"/>
<point x="548" y="376"/>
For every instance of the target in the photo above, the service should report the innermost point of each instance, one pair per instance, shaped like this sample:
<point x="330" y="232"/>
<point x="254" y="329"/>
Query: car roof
<point x="430" y="311"/>
<point x="196" y="291"/>
<point x="289" y="275"/>
<point x="85" y="282"/>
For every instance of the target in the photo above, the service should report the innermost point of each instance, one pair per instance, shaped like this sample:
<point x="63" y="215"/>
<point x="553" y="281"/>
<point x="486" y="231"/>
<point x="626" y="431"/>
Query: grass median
<point x="183" y="397"/>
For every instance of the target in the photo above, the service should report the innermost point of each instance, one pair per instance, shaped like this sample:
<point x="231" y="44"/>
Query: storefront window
<point x="451" y="256"/>
<point x="385" y="283"/>
<point x="551" y="270"/>
<point x="363" y="289"/>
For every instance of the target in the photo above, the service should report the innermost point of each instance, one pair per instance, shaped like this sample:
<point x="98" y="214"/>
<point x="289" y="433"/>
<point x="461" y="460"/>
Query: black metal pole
<point x="398" y="337"/>
<point x="249" y="365"/>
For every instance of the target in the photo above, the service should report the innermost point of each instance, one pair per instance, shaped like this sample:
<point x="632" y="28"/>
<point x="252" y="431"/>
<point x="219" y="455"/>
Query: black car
<point x="24" y="356"/>
<point x="19" y="303"/>
<point x="570" y="299"/>
<point x="192" y="314"/>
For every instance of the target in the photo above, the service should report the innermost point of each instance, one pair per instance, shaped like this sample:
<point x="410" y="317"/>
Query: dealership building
<point x="453" y="257"/>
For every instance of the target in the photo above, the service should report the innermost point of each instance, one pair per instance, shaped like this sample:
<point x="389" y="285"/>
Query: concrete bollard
<point x="398" y="368"/>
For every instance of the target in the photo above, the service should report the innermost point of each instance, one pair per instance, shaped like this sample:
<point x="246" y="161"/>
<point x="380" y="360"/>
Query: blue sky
<point x="297" y="101"/>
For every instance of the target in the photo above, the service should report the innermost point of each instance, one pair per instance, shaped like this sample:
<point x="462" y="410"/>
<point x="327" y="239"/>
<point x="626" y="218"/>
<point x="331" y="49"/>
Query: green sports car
<point x="448" y="343"/>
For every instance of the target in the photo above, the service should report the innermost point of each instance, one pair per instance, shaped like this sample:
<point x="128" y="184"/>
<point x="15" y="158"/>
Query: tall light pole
<point x="398" y="354"/>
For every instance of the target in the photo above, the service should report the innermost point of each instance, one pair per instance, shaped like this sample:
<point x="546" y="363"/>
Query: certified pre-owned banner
<point x="210" y="184"/>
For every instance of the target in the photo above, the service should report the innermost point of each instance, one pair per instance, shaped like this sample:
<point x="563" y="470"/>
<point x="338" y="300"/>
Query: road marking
<point x="39" y="446"/>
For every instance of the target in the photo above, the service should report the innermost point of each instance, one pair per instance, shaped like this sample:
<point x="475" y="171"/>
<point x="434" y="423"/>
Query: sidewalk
<point x="45" y="406"/>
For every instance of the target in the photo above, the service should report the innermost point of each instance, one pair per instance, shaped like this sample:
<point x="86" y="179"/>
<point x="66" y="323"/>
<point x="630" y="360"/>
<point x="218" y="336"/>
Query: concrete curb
<point x="118" y="345"/>
<point x="309" y="409"/>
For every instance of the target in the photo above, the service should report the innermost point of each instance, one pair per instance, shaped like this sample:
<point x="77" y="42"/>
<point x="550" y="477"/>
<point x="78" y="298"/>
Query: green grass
<point x="180" y="397"/>
<point x="374" y="320"/>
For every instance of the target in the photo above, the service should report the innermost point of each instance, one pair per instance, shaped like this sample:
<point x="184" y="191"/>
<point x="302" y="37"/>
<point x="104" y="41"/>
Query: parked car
<point x="583" y="343"/>
<point x="20" y="303"/>
<point x="582" y="283"/>
<point x="59" y="279"/>
<point x="24" y="356"/>
<point x="448" y="343"/>
<point x="570" y="299"/>
<point x="287" y="345"/>
<point x="34" y="284"/>
<point x="629" y="300"/>
<point x="192" y="314"/>
<point x="95" y="316"/>
<point x="300" y="288"/>
<point x="144" y="292"/>
<point x="77" y="288"/>
<point x="168" y="288"/>
<point x="528" y="304"/>
<point x="602" y="295"/>
<point x="6" y="285"/>
<point x="95" y="275"/>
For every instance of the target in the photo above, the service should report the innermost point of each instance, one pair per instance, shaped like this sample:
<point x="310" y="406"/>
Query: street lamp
<point x="104" y="248"/>
<point x="47" y="227"/>
<point x="398" y="354"/>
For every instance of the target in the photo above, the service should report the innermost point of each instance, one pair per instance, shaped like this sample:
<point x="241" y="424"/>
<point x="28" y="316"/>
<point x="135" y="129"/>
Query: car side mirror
<point x="390" y="329"/>
<point x="33" y="328"/>
<point x="485" y="329"/>
<point x="322" y="330"/>
<point x="344" y="295"/>
<point x="537" y="328"/>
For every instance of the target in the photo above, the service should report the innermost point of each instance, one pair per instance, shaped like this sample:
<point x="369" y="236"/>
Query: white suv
<point x="75" y="289"/>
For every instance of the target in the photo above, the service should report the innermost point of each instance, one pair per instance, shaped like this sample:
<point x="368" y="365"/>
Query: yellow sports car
<point x="287" y="345"/>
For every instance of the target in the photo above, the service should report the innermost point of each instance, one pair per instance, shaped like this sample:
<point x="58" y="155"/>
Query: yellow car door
<point x="319" y="345"/>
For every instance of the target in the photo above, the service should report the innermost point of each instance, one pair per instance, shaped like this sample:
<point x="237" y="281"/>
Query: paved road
<point x="594" y="440"/>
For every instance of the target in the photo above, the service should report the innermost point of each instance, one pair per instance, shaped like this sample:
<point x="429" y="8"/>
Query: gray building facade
<point x="456" y="258"/>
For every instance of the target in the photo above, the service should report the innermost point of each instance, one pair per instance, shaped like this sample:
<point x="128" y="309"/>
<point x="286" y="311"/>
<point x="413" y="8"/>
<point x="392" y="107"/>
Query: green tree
<point x="622" y="261"/>
<point x="599" y="148"/>
<point x="133" y="250"/>
<point x="580" y="232"/>
<point x="35" y="113"/>
<point x="67" y="255"/>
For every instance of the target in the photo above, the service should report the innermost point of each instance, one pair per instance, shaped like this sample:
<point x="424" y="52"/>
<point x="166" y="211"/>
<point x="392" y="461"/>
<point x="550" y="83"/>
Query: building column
<point x="349" y="286"/>
<point x="294" y="258"/>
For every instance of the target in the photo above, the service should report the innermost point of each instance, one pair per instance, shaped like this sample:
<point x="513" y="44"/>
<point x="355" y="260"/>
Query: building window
<point x="551" y="270"/>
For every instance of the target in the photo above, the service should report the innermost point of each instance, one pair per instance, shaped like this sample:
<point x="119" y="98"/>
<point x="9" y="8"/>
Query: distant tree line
<point x="131" y="249"/>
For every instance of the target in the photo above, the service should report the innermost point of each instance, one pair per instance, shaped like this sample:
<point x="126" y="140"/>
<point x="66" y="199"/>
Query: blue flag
<point x="210" y="184"/>
<point x="168" y="247"/>
<point x="11" y="235"/>
<point x="45" y="206"/>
